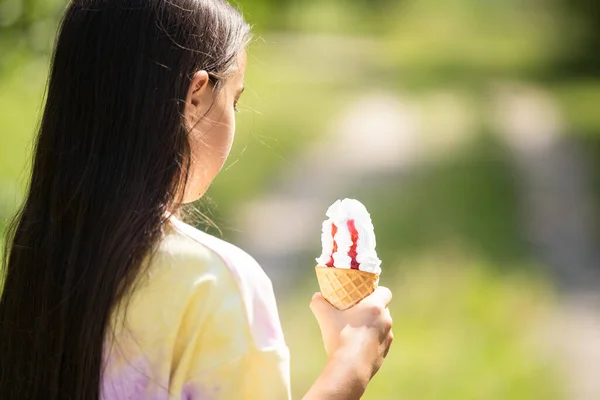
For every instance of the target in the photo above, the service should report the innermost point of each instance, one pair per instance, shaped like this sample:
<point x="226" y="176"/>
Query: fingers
<point x="390" y="334"/>
<point x="384" y="294"/>
<point x="381" y="297"/>
<point x="387" y="314"/>
<point x="389" y="341"/>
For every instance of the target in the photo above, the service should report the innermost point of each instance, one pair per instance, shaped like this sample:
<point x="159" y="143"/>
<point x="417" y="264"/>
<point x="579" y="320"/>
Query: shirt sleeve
<point x="215" y="356"/>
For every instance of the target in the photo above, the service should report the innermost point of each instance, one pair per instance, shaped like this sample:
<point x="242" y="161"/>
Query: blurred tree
<point x="27" y="29"/>
<point x="582" y="56"/>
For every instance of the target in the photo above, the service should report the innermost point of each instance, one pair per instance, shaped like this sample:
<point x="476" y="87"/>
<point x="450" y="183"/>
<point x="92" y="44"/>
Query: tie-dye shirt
<point x="201" y="325"/>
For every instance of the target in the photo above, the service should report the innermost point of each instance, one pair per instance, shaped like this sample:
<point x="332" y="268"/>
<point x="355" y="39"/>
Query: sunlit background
<point x="471" y="131"/>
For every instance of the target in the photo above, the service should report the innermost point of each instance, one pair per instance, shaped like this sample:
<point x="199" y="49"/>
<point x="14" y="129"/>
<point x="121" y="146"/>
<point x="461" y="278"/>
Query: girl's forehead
<point x="242" y="61"/>
<point x="240" y="71"/>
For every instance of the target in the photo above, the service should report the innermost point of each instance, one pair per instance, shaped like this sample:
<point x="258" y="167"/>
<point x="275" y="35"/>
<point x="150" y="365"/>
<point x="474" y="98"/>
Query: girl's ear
<point x="196" y="97"/>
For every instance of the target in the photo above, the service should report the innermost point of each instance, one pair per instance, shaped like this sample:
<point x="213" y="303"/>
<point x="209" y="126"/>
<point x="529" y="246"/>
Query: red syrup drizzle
<point x="354" y="236"/>
<point x="334" y="230"/>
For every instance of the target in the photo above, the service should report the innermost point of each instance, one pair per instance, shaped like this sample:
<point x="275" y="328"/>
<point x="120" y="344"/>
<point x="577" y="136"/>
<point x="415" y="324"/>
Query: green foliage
<point x="21" y="93"/>
<point x="463" y="330"/>
<point x="580" y="99"/>
<point x="467" y="198"/>
<point x="284" y="107"/>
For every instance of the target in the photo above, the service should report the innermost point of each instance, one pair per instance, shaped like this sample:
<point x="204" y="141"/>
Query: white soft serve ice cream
<point x="348" y="238"/>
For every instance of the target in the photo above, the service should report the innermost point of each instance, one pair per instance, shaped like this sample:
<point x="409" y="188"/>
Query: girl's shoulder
<point x="189" y="251"/>
<point x="186" y="258"/>
<point x="203" y="316"/>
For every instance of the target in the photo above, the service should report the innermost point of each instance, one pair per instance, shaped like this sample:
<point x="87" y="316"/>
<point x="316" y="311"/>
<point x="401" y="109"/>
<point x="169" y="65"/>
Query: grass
<point x="463" y="330"/>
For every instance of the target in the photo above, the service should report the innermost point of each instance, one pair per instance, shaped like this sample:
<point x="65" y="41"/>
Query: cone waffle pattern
<point x="344" y="288"/>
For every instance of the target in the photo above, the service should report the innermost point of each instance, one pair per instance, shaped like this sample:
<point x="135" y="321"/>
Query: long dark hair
<point x="110" y="162"/>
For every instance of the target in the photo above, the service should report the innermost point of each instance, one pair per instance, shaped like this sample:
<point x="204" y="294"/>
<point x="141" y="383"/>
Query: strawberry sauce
<point x="334" y="230"/>
<point x="352" y="252"/>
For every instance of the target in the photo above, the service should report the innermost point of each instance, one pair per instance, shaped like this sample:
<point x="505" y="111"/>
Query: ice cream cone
<point x="343" y="287"/>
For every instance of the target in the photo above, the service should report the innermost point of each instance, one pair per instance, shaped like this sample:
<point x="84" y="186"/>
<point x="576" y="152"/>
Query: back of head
<point x="109" y="163"/>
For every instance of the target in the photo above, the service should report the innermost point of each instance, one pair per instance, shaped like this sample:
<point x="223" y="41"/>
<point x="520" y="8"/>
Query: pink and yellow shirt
<point x="201" y="325"/>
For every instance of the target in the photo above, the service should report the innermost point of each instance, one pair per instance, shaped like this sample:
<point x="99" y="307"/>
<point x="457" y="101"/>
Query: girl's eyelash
<point x="235" y="108"/>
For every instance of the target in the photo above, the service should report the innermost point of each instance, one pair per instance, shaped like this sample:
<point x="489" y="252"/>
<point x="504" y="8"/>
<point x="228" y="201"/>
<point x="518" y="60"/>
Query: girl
<point x="107" y="294"/>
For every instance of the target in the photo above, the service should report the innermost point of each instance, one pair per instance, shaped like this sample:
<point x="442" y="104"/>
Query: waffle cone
<point x="344" y="288"/>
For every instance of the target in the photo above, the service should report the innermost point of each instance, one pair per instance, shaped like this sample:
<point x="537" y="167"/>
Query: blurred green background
<point x="470" y="130"/>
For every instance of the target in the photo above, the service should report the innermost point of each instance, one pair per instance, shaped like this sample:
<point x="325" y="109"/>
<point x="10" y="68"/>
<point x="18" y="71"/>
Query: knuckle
<point x="386" y="292"/>
<point x="375" y="310"/>
<point x="387" y="324"/>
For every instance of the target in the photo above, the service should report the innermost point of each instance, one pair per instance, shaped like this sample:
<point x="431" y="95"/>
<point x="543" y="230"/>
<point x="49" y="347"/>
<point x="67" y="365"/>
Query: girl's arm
<point x="356" y="341"/>
<point x="340" y="380"/>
